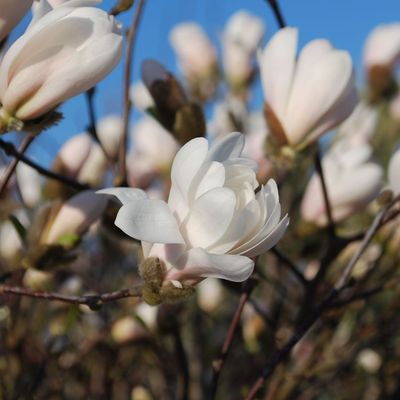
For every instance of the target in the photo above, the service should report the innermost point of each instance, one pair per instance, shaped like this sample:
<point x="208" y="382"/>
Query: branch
<point x="292" y="267"/>
<point x="219" y="362"/>
<point x="94" y="301"/>
<point x="277" y="12"/>
<point x="10" y="150"/>
<point x="328" y="206"/>
<point x="28" y="139"/>
<point x="127" y="106"/>
<point x="316" y="313"/>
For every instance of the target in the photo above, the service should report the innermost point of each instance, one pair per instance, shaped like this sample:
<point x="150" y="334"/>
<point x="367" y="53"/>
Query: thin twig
<point x="219" y="362"/>
<point x="328" y="206"/>
<point x="292" y="267"/>
<point x="316" y="313"/>
<point x="277" y="12"/>
<point x="94" y="301"/>
<point x="11" y="168"/>
<point x="182" y="363"/>
<point x="127" y="106"/>
<point x="10" y="150"/>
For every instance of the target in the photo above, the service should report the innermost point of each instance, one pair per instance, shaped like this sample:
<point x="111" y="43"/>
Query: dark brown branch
<point x="292" y="267"/>
<point x="94" y="301"/>
<point x="316" y="313"/>
<point x="219" y="362"/>
<point x="10" y="150"/>
<point x="127" y="106"/>
<point x="11" y="167"/>
<point x="277" y="12"/>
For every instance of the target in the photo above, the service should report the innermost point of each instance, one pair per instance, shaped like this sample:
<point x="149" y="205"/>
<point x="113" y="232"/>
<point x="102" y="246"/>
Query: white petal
<point x="229" y="146"/>
<point x="277" y="65"/>
<point x="124" y="195"/>
<point x="209" y="217"/>
<point x="211" y="176"/>
<point x="198" y="263"/>
<point x="149" y="220"/>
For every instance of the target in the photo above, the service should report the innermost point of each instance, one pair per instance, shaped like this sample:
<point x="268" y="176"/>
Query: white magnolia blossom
<point x="394" y="172"/>
<point x="382" y="47"/>
<point x="352" y="182"/>
<point x="11" y="12"/>
<point x="360" y="126"/>
<point x="196" y="54"/>
<point x="140" y="96"/>
<point x="242" y="35"/>
<point x="214" y="222"/>
<point x="94" y="167"/>
<point x="29" y="184"/>
<point x="109" y="130"/>
<point x="308" y="95"/>
<point x="63" y="53"/>
<point x="153" y="151"/>
<point x="75" y="216"/>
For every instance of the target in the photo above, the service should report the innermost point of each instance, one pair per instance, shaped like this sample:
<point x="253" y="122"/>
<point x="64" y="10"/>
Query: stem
<point x="219" y="362"/>
<point x="10" y="150"/>
<point x="277" y="12"/>
<point x="94" y="301"/>
<point x="328" y="207"/>
<point x="292" y="267"/>
<point x="11" y="168"/>
<point x="127" y="106"/>
<point x="182" y="363"/>
<point x="317" y="312"/>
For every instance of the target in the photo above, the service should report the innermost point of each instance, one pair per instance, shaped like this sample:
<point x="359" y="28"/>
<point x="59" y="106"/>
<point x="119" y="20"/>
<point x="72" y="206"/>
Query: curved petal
<point x="229" y="146"/>
<point x="124" y="195"/>
<point x="149" y="220"/>
<point x="198" y="263"/>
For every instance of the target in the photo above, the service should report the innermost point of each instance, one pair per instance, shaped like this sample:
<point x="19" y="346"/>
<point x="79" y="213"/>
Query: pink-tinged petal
<point x="168" y="253"/>
<point x="197" y="263"/>
<point x="209" y="217"/>
<point x="229" y="146"/>
<point x="317" y="94"/>
<point x="149" y="220"/>
<point x="277" y="66"/>
<point x="125" y="195"/>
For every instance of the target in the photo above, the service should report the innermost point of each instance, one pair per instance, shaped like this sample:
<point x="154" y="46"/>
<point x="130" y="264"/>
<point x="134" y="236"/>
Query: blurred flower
<point x="307" y="96"/>
<point x="352" y="182"/>
<point x="360" y="126"/>
<point x="196" y="53"/>
<point x="209" y="295"/>
<point x="29" y="184"/>
<point x="370" y="360"/>
<point x="74" y="216"/>
<point x="242" y="35"/>
<point x="63" y="53"/>
<point x="382" y="47"/>
<point x="73" y="154"/>
<point x="10" y="240"/>
<point x="94" y="167"/>
<point x="109" y="130"/>
<point x="140" y="96"/>
<point x="11" y="13"/>
<point x="153" y="151"/>
<point x="394" y="172"/>
<point x="394" y="108"/>
<point x="213" y="222"/>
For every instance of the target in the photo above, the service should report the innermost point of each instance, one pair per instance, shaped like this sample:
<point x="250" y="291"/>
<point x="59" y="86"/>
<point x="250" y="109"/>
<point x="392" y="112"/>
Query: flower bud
<point x="63" y="53"/>
<point x="394" y="172"/>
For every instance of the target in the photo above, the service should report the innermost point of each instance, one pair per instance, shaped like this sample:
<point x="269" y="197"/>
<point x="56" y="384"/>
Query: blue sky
<point x="346" y="23"/>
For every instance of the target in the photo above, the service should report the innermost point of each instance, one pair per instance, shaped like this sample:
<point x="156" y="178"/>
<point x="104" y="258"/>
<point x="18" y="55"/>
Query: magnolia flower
<point x="382" y="47"/>
<point x="109" y="130"/>
<point x="140" y="96"/>
<point x="11" y="12"/>
<point x="240" y="39"/>
<point x="74" y="217"/>
<point x="394" y="172"/>
<point x="352" y="182"/>
<point x="154" y="149"/>
<point x="94" y="167"/>
<point x="213" y="221"/>
<point x="29" y="184"/>
<point x="308" y="95"/>
<point x="360" y="126"/>
<point x="63" y="53"/>
<point x="196" y="54"/>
